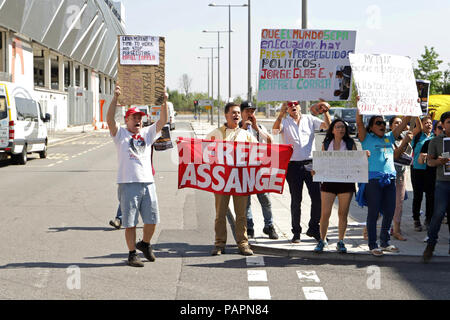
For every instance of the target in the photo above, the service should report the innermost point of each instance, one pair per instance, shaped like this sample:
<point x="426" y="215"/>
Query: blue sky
<point x="401" y="27"/>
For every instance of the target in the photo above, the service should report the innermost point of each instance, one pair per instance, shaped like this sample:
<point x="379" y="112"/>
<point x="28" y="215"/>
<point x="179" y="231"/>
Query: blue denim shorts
<point x="138" y="198"/>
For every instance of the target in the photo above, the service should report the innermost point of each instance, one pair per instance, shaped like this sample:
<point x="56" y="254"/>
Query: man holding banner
<point x="298" y="130"/>
<point x="136" y="186"/>
<point x="230" y="131"/>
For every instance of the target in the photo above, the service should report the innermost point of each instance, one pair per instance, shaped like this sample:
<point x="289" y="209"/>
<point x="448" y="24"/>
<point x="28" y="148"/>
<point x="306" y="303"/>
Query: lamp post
<point x="229" y="37"/>
<point x="212" y="76"/>
<point x="218" y="73"/>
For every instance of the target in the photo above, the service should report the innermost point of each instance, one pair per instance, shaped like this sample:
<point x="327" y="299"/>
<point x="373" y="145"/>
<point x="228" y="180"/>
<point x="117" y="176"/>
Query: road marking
<point x="255" y="261"/>
<point x="259" y="293"/>
<point x="257" y="275"/>
<point x="314" y="293"/>
<point x="308" y="276"/>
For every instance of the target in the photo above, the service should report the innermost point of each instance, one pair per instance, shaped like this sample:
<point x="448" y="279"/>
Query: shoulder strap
<point x="223" y="131"/>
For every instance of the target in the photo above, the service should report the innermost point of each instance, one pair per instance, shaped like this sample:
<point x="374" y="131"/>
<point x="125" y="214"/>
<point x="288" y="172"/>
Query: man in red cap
<point x="136" y="185"/>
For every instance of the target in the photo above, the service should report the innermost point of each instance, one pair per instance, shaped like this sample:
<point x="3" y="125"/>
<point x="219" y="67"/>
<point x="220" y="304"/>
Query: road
<point x="56" y="242"/>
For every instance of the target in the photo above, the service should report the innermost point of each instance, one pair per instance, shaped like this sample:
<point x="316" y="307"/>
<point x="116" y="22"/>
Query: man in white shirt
<point x="298" y="130"/>
<point x="260" y="133"/>
<point x="136" y="185"/>
<point x="230" y="131"/>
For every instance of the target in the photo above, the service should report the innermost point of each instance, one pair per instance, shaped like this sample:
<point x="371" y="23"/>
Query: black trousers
<point x="295" y="176"/>
<point x="422" y="182"/>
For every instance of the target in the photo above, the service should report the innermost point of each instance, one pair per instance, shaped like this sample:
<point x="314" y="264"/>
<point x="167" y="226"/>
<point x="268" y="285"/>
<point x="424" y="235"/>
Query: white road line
<point x="259" y="293"/>
<point x="255" y="261"/>
<point x="257" y="275"/>
<point x="307" y="276"/>
<point x="314" y="293"/>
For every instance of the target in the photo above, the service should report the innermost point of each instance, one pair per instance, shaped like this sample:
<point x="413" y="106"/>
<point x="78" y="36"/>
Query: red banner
<point x="232" y="168"/>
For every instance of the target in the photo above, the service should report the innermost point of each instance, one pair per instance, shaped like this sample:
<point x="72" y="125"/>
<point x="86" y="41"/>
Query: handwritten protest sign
<point x="340" y="166"/>
<point x="385" y="84"/>
<point x="232" y="168"/>
<point x="142" y="76"/>
<point x="305" y="64"/>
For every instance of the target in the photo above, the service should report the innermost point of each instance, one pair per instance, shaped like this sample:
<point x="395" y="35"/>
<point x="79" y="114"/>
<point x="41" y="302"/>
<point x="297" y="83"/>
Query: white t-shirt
<point x="134" y="154"/>
<point x="301" y="136"/>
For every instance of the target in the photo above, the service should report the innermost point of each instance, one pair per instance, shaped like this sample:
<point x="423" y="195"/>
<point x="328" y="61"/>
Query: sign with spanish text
<point x="142" y="74"/>
<point x="386" y="85"/>
<point x="341" y="166"/>
<point x="232" y="168"/>
<point x="305" y="65"/>
<point x="139" y="50"/>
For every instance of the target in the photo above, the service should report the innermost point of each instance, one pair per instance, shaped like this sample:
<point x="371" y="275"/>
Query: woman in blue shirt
<point x="422" y="132"/>
<point x="380" y="190"/>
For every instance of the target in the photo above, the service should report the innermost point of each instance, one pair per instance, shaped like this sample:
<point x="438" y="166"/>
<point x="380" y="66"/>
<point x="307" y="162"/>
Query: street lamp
<point x="212" y="76"/>
<point x="209" y="96"/>
<point x="218" y="72"/>
<point x="229" y="37"/>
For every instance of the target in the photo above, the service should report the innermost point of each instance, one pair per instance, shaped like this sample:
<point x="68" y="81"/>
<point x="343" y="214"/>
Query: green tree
<point x="428" y="69"/>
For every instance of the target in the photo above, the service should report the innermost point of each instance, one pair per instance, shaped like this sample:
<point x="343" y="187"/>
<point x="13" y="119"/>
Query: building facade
<point x="65" y="52"/>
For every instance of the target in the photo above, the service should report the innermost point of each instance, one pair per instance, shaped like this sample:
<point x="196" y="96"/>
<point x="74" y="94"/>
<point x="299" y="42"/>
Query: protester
<point x="337" y="138"/>
<point x="402" y="158"/>
<point x="260" y="133"/>
<point x="422" y="132"/>
<point x="136" y="187"/>
<point x="298" y="130"/>
<point x="437" y="158"/>
<point x="379" y="192"/>
<point x="230" y="131"/>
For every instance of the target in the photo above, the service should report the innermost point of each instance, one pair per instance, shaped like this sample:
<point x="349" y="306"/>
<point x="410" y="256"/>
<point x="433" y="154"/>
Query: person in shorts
<point x="136" y="185"/>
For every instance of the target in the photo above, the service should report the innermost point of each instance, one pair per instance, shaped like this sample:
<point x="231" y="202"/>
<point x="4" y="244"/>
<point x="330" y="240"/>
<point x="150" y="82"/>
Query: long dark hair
<point x="330" y="136"/>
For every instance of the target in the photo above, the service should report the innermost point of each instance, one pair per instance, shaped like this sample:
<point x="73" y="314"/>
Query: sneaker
<point x="425" y="239"/>
<point x="146" y="250"/>
<point x="316" y="236"/>
<point x="250" y="233"/>
<point x="245" y="250"/>
<point x="428" y="253"/>
<point x="116" y="223"/>
<point x="417" y="225"/>
<point x="320" y="246"/>
<point x="134" y="260"/>
<point x="296" y="238"/>
<point x="270" y="231"/>
<point x="217" y="251"/>
<point x="390" y="248"/>
<point x="341" y="247"/>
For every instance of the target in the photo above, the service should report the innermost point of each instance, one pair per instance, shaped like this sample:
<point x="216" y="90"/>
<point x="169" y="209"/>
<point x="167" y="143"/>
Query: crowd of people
<point x="388" y="152"/>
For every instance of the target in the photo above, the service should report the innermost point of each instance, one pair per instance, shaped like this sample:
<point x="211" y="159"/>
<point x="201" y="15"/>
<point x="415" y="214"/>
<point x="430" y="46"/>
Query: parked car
<point x="22" y="125"/>
<point x="349" y="116"/>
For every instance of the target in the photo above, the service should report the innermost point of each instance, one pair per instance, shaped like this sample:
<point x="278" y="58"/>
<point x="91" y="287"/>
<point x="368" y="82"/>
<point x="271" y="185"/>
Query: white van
<point x="171" y="116"/>
<point x="22" y="125"/>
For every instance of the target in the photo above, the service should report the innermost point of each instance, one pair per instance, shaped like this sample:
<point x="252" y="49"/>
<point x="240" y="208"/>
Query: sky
<point x="399" y="27"/>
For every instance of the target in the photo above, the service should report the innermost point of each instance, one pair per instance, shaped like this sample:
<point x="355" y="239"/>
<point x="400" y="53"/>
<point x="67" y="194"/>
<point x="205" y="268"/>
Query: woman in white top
<point x="337" y="138"/>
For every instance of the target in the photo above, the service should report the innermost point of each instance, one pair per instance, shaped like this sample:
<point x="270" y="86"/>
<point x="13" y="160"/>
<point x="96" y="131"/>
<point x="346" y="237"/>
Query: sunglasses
<point x="379" y="123"/>
<point x="440" y="127"/>
<point x="292" y="104"/>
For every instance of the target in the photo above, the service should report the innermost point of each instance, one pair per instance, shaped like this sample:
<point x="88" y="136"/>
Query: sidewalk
<point x="60" y="136"/>
<point x="357" y="248"/>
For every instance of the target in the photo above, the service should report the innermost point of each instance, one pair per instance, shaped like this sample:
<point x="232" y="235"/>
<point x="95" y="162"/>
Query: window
<point x="38" y="60"/>
<point x="77" y="76"/>
<point x="86" y="79"/>
<point x="3" y="111"/>
<point x="54" y="65"/>
<point x="67" y="74"/>
<point x="26" y="109"/>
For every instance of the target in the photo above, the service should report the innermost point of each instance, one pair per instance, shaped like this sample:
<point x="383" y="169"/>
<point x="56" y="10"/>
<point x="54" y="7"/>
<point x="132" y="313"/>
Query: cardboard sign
<point x="423" y="90"/>
<point x="385" y="84"/>
<point x="142" y="83"/>
<point x="305" y="64"/>
<point x="341" y="166"/>
<point x="232" y="168"/>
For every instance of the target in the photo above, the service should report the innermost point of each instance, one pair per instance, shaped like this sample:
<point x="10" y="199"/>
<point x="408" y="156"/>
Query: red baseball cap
<point x="134" y="110"/>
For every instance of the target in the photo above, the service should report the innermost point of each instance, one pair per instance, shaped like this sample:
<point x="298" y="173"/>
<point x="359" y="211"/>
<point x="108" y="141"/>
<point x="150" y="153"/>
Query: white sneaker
<point x="426" y="239"/>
